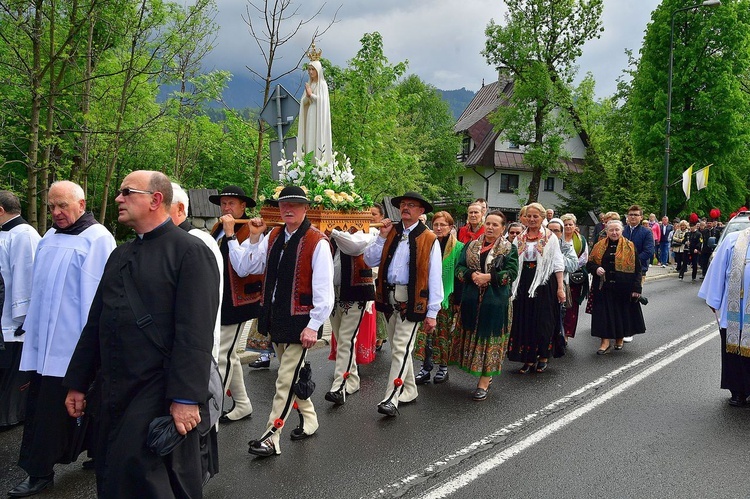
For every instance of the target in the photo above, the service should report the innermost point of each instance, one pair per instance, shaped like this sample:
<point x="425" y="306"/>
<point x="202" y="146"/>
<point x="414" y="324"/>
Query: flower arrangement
<point x="329" y="186"/>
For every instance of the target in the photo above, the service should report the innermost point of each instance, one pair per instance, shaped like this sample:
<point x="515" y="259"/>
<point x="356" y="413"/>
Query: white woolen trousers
<point x="231" y="370"/>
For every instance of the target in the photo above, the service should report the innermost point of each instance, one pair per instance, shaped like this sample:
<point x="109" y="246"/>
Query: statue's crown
<point x="314" y="54"/>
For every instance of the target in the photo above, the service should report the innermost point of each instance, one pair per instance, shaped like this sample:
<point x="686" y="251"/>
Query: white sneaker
<point x="663" y="266"/>
<point x="627" y="339"/>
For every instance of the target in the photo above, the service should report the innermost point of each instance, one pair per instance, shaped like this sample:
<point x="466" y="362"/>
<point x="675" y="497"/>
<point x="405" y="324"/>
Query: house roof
<point x="487" y="99"/>
<point x="474" y="122"/>
<point x="200" y="206"/>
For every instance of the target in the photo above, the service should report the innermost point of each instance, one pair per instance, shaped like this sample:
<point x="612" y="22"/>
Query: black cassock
<point x="178" y="282"/>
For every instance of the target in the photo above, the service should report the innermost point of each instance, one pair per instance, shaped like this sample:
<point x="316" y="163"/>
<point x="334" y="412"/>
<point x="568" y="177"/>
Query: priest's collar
<point x="158" y="230"/>
<point x="186" y="225"/>
<point x="84" y="222"/>
<point x="13" y="222"/>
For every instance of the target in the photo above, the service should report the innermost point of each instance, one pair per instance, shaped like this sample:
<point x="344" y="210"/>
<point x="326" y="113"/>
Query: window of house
<point x="465" y="146"/>
<point x="508" y="182"/>
<point x="549" y="184"/>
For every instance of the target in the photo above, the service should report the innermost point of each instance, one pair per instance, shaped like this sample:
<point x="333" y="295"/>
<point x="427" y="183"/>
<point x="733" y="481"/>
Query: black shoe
<point x="604" y="351"/>
<point x="262" y="449"/>
<point x="226" y="419"/>
<point x="259" y="363"/>
<point x="299" y="434"/>
<point x="380" y="347"/>
<point x="441" y="376"/>
<point x="541" y="367"/>
<point x="525" y="369"/>
<point x="423" y="377"/>
<point x="336" y="397"/>
<point x="89" y="465"/>
<point x="738" y="400"/>
<point x="480" y="394"/>
<point x="387" y="408"/>
<point x="32" y="486"/>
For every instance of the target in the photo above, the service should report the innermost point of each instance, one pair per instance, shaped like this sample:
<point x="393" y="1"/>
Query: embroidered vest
<point x="420" y="246"/>
<point x="356" y="279"/>
<point x="289" y="272"/>
<point x="245" y="292"/>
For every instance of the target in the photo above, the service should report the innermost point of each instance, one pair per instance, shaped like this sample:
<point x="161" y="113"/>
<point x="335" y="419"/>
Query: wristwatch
<point x="233" y="237"/>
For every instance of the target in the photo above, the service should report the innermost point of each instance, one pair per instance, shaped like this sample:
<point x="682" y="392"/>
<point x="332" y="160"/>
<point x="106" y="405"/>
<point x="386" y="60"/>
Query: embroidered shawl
<point x="738" y="313"/>
<point x="545" y="261"/>
<point x="625" y="254"/>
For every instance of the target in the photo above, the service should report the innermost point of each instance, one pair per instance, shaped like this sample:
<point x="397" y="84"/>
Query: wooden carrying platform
<point x="326" y="220"/>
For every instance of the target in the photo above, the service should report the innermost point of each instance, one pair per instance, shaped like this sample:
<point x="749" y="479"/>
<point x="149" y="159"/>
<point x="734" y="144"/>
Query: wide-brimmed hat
<point x="415" y="196"/>
<point x="233" y="191"/>
<point x="290" y="194"/>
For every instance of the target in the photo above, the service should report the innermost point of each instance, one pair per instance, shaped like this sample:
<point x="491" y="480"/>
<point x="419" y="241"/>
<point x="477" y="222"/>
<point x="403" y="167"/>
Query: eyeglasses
<point x="405" y="204"/>
<point x="514" y="233"/>
<point x="127" y="191"/>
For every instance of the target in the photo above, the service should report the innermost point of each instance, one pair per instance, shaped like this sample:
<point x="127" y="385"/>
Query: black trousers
<point x="48" y="430"/>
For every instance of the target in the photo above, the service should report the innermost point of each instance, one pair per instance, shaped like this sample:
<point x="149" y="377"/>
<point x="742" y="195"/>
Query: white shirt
<point x="211" y="243"/>
<point x="67" y="271"/>
<point x="254" y="258"/>
<point x="398" y="270"/>
<point x="17" y="249"/>
<point x="348" y="244"/>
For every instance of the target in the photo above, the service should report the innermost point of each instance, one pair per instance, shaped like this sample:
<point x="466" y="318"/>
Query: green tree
<point x="710" y="105"/>
<point x="537" y="48"/>
<point x="428" y="125"/>
<point x="364" y="120"/>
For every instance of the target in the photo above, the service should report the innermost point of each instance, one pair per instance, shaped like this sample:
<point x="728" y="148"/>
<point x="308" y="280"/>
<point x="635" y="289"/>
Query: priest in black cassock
<point x="177" y="280"/>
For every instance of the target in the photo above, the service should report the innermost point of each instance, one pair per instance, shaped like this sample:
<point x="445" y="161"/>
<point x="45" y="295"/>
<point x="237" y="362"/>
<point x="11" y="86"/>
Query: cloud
<point x="441" y="39"/>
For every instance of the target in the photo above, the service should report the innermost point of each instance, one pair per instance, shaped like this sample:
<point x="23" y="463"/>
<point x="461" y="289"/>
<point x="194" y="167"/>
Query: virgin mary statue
<point x="314" y="134"/>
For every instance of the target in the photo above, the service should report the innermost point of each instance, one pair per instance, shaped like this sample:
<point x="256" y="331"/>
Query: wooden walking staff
<point x="278" y="223"/>
<point x="324" y="220"/>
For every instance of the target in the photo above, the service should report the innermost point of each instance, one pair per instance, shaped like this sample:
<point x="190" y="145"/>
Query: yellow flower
<point x="318" y="198"/>
<point x="278" y="189"/>
<point x="304" y="188"/>
<point x="261" y="198"/>
<point x="328" y="192"/>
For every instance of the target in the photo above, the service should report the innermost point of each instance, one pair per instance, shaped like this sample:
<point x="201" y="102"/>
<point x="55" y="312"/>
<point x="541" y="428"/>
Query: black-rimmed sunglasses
<point x="127" y="191"/>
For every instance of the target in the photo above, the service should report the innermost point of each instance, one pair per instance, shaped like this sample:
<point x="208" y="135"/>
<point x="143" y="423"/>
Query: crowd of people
<point x="96" y="341"/>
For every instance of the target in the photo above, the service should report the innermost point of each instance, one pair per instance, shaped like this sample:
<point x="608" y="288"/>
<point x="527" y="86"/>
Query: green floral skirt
<point x="479" y="356"/>
<point x="441" y="336"/>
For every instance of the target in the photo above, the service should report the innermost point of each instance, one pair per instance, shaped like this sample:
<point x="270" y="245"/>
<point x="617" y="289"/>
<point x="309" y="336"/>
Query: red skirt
<point x="366" y="336"/>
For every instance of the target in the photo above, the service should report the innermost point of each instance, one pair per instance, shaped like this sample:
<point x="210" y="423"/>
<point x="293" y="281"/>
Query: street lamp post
<point x="706" y="3"/>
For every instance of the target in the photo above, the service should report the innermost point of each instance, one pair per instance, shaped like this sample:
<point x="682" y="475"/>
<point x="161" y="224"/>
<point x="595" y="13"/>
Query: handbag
<point x="146" y="324"/>
<point x="578" y="276"/>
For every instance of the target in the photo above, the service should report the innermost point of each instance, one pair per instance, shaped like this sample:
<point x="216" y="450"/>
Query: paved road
<point x="648" y="421"/>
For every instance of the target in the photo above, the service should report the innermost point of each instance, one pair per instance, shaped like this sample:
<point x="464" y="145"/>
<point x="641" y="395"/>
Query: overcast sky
<point x="441" y="39"/>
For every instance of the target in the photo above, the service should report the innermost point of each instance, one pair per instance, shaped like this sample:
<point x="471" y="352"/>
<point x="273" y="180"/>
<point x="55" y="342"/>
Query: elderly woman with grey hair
<point x="579" y="278"/>
<point x="616" y="311"/>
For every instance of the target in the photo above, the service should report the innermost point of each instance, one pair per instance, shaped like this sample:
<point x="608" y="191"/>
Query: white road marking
<point x="506" y="430"/>
<point x="472" y="474"/>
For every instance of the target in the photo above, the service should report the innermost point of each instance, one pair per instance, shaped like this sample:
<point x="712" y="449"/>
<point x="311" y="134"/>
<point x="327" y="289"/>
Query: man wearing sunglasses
<point x="150" y="334"/>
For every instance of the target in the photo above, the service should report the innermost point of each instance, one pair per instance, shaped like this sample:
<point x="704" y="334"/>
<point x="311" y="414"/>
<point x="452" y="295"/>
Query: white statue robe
<point x="17" y="248"/>
<point x="67" y="271"/>
<point x="314" y="131"/>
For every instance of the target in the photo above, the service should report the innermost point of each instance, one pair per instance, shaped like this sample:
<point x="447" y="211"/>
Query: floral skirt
<point x="441" y="337"/>
<point x="257" y="342"/>
<point x="479" y="356"/>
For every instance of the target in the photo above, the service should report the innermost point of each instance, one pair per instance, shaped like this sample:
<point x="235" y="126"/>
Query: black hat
<point x="412" y="195"/>
<point x="290" y="194"/>
<point x="233" y="191"/>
